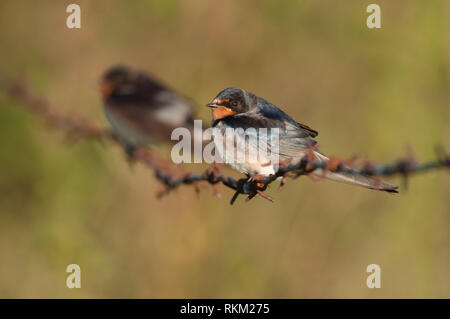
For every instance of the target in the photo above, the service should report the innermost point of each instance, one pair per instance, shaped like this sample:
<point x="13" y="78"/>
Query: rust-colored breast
<point x="221" y="112"/>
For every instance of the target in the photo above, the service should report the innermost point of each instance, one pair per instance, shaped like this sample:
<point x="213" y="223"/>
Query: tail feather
<point x="355" y="179"/>
<point x="361" y="180"/>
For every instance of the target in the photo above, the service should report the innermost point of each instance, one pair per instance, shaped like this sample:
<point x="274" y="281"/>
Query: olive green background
<point x="372" y="93"/>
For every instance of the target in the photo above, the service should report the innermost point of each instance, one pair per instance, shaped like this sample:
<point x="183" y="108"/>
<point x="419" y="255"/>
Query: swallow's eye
<point x="234" y="103"/>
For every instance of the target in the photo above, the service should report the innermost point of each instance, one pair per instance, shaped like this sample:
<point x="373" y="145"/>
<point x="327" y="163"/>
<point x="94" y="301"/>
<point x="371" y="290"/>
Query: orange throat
<point x="219" y="113"/>
<point x="106" y="89"/>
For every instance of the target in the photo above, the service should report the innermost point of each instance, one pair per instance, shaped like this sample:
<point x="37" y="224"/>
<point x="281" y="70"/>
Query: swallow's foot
<point x="256" y="178"/>
<point x="252" y="187"/>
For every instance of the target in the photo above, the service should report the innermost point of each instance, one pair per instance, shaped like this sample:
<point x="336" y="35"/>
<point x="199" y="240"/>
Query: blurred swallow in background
<point x="141" y="110"/>
<point x="235" y="108"/>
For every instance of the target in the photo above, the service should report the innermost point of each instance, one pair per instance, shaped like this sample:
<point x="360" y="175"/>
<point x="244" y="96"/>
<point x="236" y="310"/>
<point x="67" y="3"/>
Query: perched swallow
<point x="141" y="110"/>
<point x="236" y="108"/>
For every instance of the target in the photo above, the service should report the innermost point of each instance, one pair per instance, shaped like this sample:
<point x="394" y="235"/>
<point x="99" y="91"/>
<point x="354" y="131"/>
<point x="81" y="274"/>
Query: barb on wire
<point x="77" y="127"/>
<point x="74" y="126"/>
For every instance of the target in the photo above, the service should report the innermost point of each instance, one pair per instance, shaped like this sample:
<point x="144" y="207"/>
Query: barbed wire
<point x="77" y="127"/>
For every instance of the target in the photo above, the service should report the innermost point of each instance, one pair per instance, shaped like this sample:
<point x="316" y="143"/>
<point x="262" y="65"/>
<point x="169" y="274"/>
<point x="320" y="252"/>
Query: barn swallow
<point x="235" y="108"/>
<point x="141" y="110"/>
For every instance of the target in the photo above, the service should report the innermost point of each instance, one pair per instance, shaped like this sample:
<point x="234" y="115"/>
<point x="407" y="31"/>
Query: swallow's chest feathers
<point x="243" y="150"/>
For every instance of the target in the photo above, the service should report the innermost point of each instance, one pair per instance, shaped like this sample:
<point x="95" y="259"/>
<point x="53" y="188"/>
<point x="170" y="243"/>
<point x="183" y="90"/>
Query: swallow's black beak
<point x="212" y="104"/>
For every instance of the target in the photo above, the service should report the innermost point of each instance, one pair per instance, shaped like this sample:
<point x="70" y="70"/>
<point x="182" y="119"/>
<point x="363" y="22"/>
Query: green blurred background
<point x="368" y="92"/>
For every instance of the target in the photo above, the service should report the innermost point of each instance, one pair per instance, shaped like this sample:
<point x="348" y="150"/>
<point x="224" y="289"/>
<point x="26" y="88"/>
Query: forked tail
<point x="355" y="179"/>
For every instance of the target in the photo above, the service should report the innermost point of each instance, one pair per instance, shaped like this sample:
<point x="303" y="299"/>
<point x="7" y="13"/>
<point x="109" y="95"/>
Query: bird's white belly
<point x="253" y="168"/>
<point x="233" y="155"/>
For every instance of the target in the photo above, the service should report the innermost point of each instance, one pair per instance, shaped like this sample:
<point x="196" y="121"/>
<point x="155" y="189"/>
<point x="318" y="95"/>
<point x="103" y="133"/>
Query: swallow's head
<point x="232" y="101"/>
<point x="119" y="81"/>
